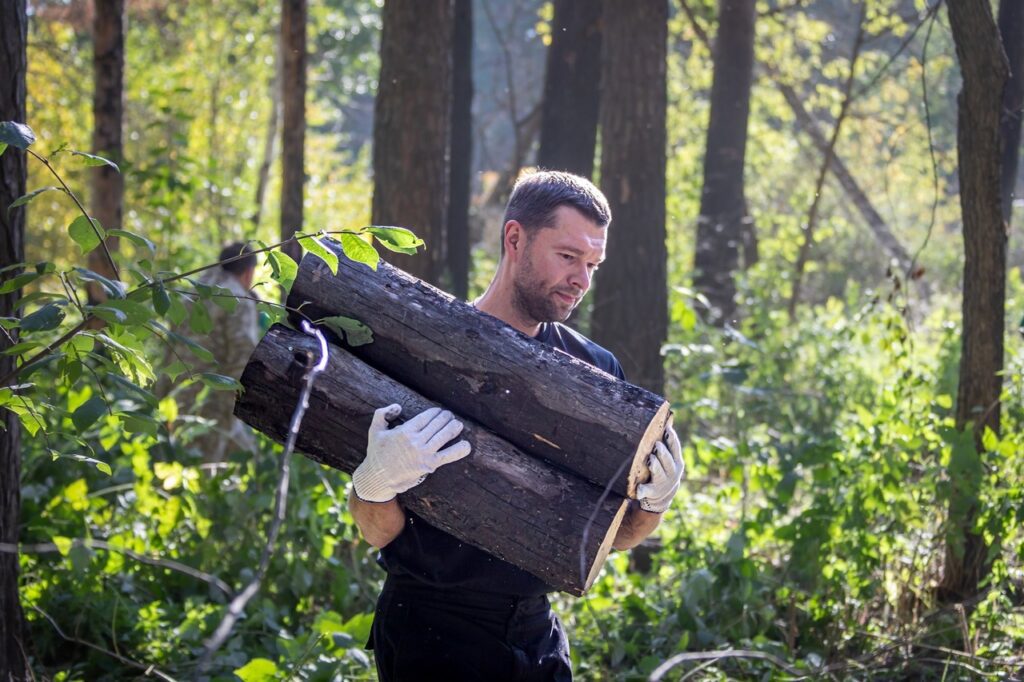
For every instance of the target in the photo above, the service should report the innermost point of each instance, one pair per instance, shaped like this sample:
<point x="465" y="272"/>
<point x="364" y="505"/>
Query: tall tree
<point x="108" y="115"/>
<point x="293" y="123"/>
<point x="630" y="314"/>
<point x="569" y="114"/>
<point x="13" y="38"/>
<point x="984" y="73"/>
<point x="461" y="154"/>
<point x="1011" y="30"/>
<point x="723" y="207"/>
<point x="411" y="126"/>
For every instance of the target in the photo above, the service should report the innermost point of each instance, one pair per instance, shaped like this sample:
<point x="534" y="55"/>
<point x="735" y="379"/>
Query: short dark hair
<point x="237" y="267"/>
<point x="536" y="196"/>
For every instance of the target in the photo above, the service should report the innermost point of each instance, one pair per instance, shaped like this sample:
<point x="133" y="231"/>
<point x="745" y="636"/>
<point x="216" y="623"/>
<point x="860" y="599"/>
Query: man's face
<point x="556" y="266"/>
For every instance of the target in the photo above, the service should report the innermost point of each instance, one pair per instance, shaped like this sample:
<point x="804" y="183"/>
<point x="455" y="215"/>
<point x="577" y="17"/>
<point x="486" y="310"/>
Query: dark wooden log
<point x="514" y="506"/>
<point x="542" y="400"/>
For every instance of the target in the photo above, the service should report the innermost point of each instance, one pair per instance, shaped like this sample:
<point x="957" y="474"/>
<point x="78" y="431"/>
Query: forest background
<point x="850" y="399"/>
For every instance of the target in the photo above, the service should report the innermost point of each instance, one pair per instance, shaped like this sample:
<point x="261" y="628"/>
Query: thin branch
<point x="812" y="214"/>
<point x="170" y="564"/>
<point x="873" y="81"/>
<point x="660" y="671"/>
<point x="239" y="603"/>
<point x="146" y="668"/>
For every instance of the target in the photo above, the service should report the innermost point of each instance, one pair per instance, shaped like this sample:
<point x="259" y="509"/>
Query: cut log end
<point x="606" y="546"/>
<point x="652" y="435"/>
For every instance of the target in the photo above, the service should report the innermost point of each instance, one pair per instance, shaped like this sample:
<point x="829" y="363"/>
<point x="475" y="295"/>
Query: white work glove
<point x="398" y="459"/>
<point x="666" y="467"/>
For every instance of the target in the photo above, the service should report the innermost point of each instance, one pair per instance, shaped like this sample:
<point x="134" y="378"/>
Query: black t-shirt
<point x="436" y="558"/>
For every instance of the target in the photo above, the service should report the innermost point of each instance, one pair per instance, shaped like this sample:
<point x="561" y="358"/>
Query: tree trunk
<point x="498" y="499"/>
<point x="983" y="69"/>
<point x="568" y="128"/>
<point x="411" y="127"/>
<point x="461" y="148"/>
<point x="13" y="39"/>
<point x="542" y="400"/>
<point x="720" y="226"/>
<point x="1011" y="30"/>
<point x="269" y="142"/>
<point x="293" y="124"/>
<point x="630" y="310"/>
<point x="108" y="114"/>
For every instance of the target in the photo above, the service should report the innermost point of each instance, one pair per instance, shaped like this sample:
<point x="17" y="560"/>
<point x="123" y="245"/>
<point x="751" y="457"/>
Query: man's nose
<point x="580" y="278"/>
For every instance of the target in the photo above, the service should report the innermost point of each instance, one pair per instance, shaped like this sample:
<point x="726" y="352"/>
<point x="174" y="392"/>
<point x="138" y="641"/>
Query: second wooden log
<point x="548" y="522"/>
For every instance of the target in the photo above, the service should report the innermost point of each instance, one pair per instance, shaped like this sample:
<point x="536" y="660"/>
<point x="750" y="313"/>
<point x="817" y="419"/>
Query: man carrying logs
<point x="449" y="610"/>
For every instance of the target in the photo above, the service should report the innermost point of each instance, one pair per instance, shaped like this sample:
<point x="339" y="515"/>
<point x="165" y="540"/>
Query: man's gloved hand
<point x="666" y="467"/>
<point x="398" y="459"/>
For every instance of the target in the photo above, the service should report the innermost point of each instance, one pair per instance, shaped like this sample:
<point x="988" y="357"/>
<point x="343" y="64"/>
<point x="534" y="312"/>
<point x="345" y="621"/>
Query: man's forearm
<point x="637" y="524"/>
<point x="379" y="522"/>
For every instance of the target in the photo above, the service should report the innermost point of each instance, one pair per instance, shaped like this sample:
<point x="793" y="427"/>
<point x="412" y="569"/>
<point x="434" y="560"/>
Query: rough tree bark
<point x="108" y="114"/>
<point x="461" y="155"/>
<point x="411" y="127"/>
<point x="13" y="39"/>
<point x="723" y="207"/>
<point x="293" y="123"/>
<point x="984" y="72"/>
<point x="630" y="310"/>
<point x="542" y="400"/>
<point x="1011" y="30"/>
<point x="569" y="114"/>
<point x="498" y="499"/>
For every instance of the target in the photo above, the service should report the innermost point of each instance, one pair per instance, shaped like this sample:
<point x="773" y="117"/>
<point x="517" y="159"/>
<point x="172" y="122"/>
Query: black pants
<point x="423" y="633"/>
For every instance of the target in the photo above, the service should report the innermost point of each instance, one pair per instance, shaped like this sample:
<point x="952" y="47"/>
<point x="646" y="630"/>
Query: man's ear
<point x="514" y="237"/>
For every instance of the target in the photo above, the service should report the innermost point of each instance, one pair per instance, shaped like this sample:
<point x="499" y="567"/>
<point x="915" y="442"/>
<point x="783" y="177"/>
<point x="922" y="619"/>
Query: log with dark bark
<point x="547" y="522"/>
<point x="544" y="401"/>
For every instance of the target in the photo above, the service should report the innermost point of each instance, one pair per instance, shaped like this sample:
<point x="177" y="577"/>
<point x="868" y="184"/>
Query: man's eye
<point x="566" y="256"/>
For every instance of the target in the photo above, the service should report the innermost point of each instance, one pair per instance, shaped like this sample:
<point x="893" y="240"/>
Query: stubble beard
<point x="532" y="300"/>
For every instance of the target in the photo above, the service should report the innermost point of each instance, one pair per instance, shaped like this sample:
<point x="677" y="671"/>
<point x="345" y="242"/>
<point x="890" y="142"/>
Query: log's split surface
<point x="500" y="499"/>
<point x="542" y="400"/>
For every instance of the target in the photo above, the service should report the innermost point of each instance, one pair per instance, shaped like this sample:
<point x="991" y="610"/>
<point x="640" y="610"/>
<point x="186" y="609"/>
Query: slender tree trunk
<point x="1011" y="29"/>
<point x="568" y="128"/>
<point x="984" y="71"/>
<point x="630" y="314"/>
<point x="461" y="154"/>
<point x="723" y="207"/>
<point x="411" y="126"/>
<point x="263" y="177"/>
<point x="108" y="114"/>
<point x="13" y="38"/>
<point x="293" y="124"/>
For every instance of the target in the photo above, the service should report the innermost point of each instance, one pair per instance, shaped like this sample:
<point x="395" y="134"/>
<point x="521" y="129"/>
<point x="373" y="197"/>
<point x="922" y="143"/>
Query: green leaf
<point x="108" y="314"/>
<point x="257" y="670"/>
<point x="135" y="312"/>
<point x="101" y="466"/>
<point x="134" y="238"/>
<point x="358" y="250"/>
<point x="161" y="301"/>
<point x="46" y="318"/>
<point x="199" y="320"/>
<point x="3" y="148"/>
<point x="88" y="412"/>
<point x="396" y="239"/>
<point x="87" y="236"/>
<point x="17" y="134"/>
<point x="25" y="198"/>
<point x="19" y="348"/>
<point x="354" y="332"/>
<point x="283" y="268"/>
<point x="94" y="160"/>
<point x="15" y="283"/>
<point x="314" y="246"/>
<point x="40" y="296"/>
<point x="63" y="544"/>
<point x="219" y="382"/>
<point x="114" y="288"/>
